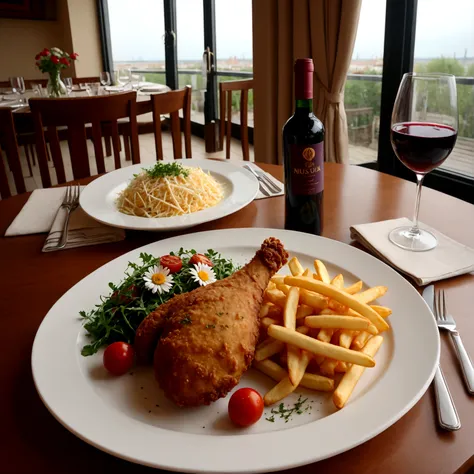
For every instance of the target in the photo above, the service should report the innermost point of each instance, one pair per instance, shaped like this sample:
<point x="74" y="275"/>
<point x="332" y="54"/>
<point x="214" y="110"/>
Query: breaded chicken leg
<point x="205" y="339"/>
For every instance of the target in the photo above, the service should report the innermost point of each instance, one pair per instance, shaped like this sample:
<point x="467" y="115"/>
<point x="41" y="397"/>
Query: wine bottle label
<point x="307" y="169"/>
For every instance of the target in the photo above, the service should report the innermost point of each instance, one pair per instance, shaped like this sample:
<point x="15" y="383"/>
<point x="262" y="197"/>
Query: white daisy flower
<point x="158" y="279"/>
<point x="203" y="274"/>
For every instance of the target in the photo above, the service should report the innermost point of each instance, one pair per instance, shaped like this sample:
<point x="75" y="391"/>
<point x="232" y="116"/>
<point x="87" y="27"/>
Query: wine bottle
<point x="303" y="152"/>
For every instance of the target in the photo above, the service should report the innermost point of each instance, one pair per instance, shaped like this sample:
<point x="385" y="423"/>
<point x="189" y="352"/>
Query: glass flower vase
<point x="56" y="87"/>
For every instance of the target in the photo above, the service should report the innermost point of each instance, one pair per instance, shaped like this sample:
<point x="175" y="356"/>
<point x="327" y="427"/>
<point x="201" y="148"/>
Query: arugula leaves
<point x="119" y="314"/>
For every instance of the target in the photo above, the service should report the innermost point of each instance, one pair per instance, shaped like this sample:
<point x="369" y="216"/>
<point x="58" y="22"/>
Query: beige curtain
<point x="284" y="30"/>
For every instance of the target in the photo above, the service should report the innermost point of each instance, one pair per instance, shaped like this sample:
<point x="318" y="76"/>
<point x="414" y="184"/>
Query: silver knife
<point x="447" y="415"/>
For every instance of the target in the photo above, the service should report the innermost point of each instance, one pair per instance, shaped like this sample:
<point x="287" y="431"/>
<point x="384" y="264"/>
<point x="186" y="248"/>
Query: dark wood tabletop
<point x="32" y="281"/>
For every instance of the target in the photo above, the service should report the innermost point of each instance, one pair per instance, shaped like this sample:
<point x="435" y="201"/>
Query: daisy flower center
<point x="158" y="278"/>
<point x="203" y="275"/>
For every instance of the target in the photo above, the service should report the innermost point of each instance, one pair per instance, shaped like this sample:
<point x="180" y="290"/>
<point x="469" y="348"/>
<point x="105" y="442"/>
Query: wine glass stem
<point x="419" y="184"/>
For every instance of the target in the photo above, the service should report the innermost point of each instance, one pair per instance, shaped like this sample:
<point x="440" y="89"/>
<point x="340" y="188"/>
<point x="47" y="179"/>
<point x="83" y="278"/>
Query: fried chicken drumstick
<point x="204" y="340"/>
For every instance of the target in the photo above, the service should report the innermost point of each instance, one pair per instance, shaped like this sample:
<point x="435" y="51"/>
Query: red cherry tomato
<point x="130" y="293"/>
<point x="200" y="258"/>
<point x="118" y="358"/>
<point x="172" y="263"/>
<point x="245" y="407"/>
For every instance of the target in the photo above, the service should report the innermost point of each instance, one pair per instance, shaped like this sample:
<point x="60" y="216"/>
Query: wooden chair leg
<point x="126" y="145"/>
<point x="33" y="154"/>
<point x="28" y="159"/>
<point x="108" y="145"/>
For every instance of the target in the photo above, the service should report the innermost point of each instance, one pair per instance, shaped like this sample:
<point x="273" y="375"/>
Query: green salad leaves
<point x="119" y="314"/>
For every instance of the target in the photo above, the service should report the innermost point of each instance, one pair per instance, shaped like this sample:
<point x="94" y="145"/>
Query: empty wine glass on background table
<point x="124" y="76"/>
<point x="423" y="133"/>
<point x="68" y="83"/>
<point x="18" y="86"/>
<point x="105" y="78"/>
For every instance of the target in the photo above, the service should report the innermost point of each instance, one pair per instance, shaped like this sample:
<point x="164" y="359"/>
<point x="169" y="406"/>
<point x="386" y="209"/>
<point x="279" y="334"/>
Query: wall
<point x="84" y="28"/>
<point x="76" y="29"/>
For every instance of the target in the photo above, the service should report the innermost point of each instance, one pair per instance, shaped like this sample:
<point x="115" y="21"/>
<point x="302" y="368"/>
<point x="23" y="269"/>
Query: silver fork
<point x="446" y="321"/>
<point x="266" y="191"/>
<point x="70" y="202"/>
<point x="271" y="185"/>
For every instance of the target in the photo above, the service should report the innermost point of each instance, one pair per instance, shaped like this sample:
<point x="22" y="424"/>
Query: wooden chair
<point x="225" y="93"/>
<point x="171" y="103"/>
<point x="75" y="113"/>
<point x="9" y="147"/>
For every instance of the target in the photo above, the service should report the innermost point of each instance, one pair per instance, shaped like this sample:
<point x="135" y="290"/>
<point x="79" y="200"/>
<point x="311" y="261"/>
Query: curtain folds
<point x="284" y="30"/>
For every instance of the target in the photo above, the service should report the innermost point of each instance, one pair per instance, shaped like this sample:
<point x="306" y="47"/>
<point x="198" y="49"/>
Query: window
<point x="137" y="39"/>
<point x="190" y="32"/>
<point x="234" y="57"/>
<point x="364" y="84"/>
<point x="445" y="43"/>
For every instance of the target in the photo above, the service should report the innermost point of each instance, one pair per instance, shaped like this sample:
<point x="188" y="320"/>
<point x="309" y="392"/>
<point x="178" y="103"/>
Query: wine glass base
<point x="414" y="240"/>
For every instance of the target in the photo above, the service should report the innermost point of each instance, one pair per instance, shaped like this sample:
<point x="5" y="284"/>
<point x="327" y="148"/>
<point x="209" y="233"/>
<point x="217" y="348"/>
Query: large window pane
<point x="190" y="26"/>
<point x="445" y="43"/>
<point x="137" y="37"/>
<point x="234" y="48"/>
<point x="364" y="84"/>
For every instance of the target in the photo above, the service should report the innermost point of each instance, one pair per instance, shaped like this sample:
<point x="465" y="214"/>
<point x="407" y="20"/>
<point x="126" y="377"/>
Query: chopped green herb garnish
<point x="271" y="419"/>
<point x="186" y="320"/>
<point x="220" y="313"/>
<point x="287" y="413"/>
<point x="160" y="170"/>
<point x="210" y="326"/>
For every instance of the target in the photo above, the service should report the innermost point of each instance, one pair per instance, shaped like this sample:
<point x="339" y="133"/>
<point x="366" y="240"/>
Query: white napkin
<point x="275" y="181"/>
<point x="448" y="259"/>
<point x="83" y="230"/>
<point x="42" y="213"/>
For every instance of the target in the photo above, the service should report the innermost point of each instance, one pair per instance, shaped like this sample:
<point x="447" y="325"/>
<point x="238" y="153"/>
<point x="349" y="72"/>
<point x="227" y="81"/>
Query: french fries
<point x="321" y="271"/>
<point x="371" y="294"/>
<point x="319" y="348"/>
<point x="340" y="296"/>
<point x="311" y="381"/>
<point x="352" y="376"/>
<point x="336" y="322"/>
<point x="295" y="267"/>
<point x="314" y="323"/>
<point x="356" y="287"/>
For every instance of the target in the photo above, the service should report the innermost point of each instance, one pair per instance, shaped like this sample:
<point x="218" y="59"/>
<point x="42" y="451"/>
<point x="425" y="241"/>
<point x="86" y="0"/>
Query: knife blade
<point x="448" y="417"/>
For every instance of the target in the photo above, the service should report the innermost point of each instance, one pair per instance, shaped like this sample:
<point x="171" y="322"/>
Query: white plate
<point x="98" y="198"/>
<point x="120" y="414"/>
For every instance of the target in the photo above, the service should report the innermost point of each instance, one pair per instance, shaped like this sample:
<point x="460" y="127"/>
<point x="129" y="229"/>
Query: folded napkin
<point x="42" y="213"/>
<point x="448" y="259"/>
<point x="275" y="181"/>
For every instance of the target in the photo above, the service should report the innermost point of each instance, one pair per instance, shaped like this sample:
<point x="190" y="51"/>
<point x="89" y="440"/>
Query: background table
<point x="31" y="282"/>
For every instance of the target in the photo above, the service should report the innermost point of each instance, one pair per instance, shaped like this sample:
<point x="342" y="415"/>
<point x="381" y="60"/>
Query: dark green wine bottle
<point x="303" y="152"/>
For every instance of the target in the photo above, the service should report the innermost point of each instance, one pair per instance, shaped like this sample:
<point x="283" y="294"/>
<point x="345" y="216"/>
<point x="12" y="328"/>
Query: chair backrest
<point x="100" y="113"/>
<point x="171" y="103"/>
<point x="9" y="146"/>
<point x="225" y="93"/>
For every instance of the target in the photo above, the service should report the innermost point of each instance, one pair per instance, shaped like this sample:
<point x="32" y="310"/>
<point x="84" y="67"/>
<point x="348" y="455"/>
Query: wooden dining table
<point x="32" y="281"/>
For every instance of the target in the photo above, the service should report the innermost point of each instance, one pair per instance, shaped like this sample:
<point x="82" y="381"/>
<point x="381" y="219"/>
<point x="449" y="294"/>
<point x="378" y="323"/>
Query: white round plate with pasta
<point x="100" y="199"/>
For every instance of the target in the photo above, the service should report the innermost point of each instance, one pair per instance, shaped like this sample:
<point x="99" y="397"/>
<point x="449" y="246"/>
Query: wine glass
<point x="68" y="84"/>
<point x="423" y="132"/>
<point x="105" y="78"/>
<point x="18" y="86"/>
<point x="124" y="76"/>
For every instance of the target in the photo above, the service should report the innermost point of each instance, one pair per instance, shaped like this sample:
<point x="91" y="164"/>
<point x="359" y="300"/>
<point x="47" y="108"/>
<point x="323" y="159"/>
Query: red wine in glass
<point x="422" y="146"/>
<point x="423" y="133"/>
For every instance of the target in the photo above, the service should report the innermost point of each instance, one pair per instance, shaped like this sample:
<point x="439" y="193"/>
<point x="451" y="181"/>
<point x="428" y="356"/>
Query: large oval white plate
<point x="129" y="417"/>
<point x="98" y="198"/>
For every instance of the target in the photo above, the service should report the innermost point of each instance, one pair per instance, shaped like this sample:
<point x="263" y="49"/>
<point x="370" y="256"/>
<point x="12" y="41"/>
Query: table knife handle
<point x="447" y="415"/>
<point x="465" y="361"/>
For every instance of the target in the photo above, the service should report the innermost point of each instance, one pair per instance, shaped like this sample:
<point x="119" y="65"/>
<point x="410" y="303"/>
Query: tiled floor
<point x="147" y="155"/>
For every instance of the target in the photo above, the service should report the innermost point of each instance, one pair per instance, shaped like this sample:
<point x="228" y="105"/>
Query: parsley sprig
<point x="119" y="314"/>
<point x="160" y="170"/>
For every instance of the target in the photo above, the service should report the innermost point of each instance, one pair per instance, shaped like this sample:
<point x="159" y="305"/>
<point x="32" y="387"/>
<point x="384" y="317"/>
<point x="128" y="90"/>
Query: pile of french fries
<point x="317" y="328"/>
